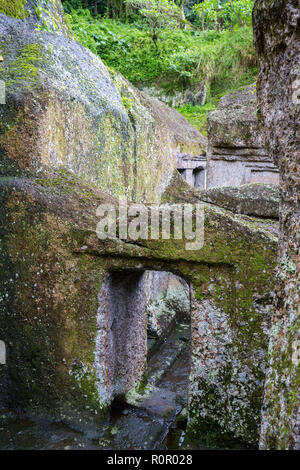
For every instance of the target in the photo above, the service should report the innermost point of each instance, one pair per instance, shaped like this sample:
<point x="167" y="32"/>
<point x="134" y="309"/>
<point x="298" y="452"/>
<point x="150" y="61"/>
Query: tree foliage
<point x="158" y="13"/>
<point x="219" y="54"/>
<point x="184" y="57"/>
<point x="224" y="14"/>
<point x="206" y="14"/>
<point x="111" y="8"/>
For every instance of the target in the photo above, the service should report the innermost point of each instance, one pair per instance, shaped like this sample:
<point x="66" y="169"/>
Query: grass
<point x="197" y="115"/>
<point x="223" y="61"/>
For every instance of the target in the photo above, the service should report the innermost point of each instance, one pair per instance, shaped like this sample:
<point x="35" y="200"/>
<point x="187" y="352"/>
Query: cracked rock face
<point x="277" y="40"/>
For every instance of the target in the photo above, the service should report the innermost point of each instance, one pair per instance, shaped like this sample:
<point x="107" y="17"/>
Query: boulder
<point x="189" y="98"/>
<point x="260" y="200"/>
<point x="234" y="123"/>
<point x="65" y="109"/>
<point x="200" y="96"/>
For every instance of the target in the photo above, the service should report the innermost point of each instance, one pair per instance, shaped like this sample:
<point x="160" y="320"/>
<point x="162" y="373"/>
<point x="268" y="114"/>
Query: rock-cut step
<point x="163" y="359"/>
<point x="163" y="396"/>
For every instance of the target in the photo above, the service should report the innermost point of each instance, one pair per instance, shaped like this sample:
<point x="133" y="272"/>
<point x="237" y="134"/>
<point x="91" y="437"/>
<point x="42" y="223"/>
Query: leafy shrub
<point x="214" y="14"/>
<point x="183" y="56"/>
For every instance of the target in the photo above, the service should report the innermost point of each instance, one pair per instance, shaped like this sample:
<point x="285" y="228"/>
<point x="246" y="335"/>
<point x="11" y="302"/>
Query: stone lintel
<point x="242" y="158"/>
<point x="186" y="162"/>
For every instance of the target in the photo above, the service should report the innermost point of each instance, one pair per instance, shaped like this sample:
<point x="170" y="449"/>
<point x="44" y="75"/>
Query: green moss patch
<point x="25" y="67"/>
<point x="14" y="8"/>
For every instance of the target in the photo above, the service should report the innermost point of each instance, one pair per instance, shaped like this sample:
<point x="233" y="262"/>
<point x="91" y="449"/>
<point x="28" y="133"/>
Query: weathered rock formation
<point x="236" y="154"/>
<point x="260" y="200"/>
<point x="277" y="39"/>
<point x="73" y="311"/>
<point x="61" y="336"/>
<point x="64" y="109"/>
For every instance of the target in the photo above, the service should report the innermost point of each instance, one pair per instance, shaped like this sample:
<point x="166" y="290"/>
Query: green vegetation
<point x="14" y="8"/>
<point x="223" y="13"/>
<point x="197" y="115"/>
<point x="184" y="57"/>
<point x="156" y="46"/>
<point x="158" y="13"/>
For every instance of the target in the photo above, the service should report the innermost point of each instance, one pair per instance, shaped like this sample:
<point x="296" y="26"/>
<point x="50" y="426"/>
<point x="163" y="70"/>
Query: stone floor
<point x="156" y="421"/>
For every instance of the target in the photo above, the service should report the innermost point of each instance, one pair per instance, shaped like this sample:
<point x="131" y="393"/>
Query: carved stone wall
<point x="277" y="40"/>
<point x="236" y="154"/>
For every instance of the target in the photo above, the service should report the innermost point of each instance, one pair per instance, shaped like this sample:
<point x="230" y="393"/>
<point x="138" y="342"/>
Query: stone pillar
<point x="277" y="40"/>
<point x="189" y="177"/>
<point x="121" y="344"/>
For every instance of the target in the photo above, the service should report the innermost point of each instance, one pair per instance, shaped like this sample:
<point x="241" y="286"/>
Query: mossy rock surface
<point x="65" y="109"/>
<point x="277" y="41"/>
<point x="256" y="199"/>
<point x="54" y="267"/>
<point x="74" y="135"/>
<point x="234" y="123"/>
<point x="47" y="15"/>
<point x="14" y="8"/>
